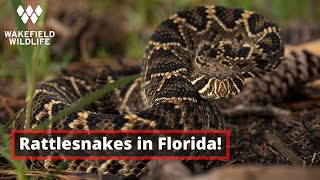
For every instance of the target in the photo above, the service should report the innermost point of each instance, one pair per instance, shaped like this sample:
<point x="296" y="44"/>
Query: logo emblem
<point x="29" y="13"/>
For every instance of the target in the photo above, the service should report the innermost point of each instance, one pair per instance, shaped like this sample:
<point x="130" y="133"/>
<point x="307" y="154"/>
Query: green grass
<point x="143" y="16"/>
<point x="28" y="57"/>
<point x="5" y="151"/>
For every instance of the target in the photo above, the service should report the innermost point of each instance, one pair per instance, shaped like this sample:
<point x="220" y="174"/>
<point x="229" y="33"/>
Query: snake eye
<point x="213" y="53"/>
<point x="239" y="37"/>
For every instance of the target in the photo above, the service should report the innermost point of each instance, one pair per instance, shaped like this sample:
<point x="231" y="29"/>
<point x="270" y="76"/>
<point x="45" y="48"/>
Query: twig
<point x="268" y="111"/>
<point x="285" y="152"/>
<point x="59" y="28"/>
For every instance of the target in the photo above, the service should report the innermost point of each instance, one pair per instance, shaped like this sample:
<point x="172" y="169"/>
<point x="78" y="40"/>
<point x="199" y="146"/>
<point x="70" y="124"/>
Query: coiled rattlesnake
<point x="194" y="57"/>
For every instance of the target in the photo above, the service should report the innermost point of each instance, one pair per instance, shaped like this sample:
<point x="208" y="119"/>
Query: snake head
<point x="216" y="76"/>
<point x="221" y="64"/>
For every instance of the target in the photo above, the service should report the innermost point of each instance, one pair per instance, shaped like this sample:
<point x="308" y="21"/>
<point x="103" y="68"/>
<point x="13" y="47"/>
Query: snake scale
<point x="298" y="68"/>
<point x="195" y="57"/>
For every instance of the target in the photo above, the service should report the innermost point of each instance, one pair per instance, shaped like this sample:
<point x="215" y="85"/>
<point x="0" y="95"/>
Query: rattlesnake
<point x="195" y="57"/>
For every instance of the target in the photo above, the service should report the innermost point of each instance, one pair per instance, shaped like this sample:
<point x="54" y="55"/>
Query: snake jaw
<point x="215" y="89"/>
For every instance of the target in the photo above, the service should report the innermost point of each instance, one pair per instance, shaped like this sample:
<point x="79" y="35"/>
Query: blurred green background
<point x="116" y="28"/>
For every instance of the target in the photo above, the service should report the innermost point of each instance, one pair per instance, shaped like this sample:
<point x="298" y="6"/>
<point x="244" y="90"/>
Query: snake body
<point x="298" y="68"/>
<point x="195" y="57"/>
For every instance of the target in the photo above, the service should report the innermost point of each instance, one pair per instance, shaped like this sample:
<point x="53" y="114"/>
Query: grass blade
<point x="85" y="101"/>
<point x="6" y="126"/>
<point x="5" y="152"/>
<point x="26" y="53"/>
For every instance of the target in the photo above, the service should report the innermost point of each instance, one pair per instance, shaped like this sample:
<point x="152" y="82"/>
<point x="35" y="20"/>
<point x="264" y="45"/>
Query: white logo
<point x="29" y="38"/>
<point x="29" y="13"/>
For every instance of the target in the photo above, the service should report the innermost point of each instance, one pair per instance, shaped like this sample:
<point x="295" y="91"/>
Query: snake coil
<point x="195" y="57"/>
